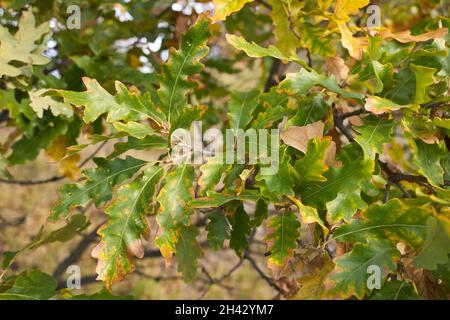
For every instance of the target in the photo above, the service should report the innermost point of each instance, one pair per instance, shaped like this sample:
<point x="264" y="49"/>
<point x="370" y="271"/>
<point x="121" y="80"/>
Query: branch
<point x="393" y="176"/>
<point x="261" y="273"/>
<point x="353" y="113"/>
<point x="32" y="182"/>
<point x="274" y="73"/>
<point x="4" y="116"/>
<point x="218" y="281"/>
<point x="435" y="104"/>
<point x="76" y="254"/>
<point x="265" y="4"/>
<point x="93" y="154"/>
<point x="55" y="178"/>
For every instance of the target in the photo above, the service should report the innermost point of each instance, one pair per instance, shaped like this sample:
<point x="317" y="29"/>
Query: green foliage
<point x="363" y="167"/>
<point x="282" y="239"/>
<point x="126" y="227"/>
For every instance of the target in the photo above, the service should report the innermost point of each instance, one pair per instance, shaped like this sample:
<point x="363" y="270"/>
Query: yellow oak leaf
<point x="69" y="167"/>
<point x="344" y="8"/>
<point x="223" y="8"/>
<point x="354" y="45"/>
<point x="57" y="149"/>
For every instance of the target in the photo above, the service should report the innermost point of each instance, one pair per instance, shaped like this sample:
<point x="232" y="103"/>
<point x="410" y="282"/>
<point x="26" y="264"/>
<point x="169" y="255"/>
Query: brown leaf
<point x="406" y="36"/>
<point x="336" y="66"/>
<point x="330" y="157"/>
<point x="298" y="137"/>
<point x="427" y="286"/>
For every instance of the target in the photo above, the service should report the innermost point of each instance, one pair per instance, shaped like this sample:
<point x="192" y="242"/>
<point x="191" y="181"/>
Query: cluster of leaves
<point x="364" y="165"/>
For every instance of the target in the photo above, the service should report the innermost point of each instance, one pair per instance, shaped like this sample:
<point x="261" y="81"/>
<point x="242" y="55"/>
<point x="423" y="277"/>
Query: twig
<point x="308" y="56"/>
<point x="54" y="178"/>
<point x="434" y="104"/>
<point x="273" y="75"/>
<point x="353" y="113"/>
<point x="265" y="4"/>
<point x="394" y="176"/>
<point x="218" y="281"/>
<point x="32" y="182"/>
<point x="261" y="273"/>
<point x="387" y="190"/>
<point x="75" y="254"/>
<point x="93" y="154"/>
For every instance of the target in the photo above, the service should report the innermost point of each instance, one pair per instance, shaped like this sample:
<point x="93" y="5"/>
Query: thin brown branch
<point x="32" y="182"/>
<point x="353" y="113"/>
<point x="261" y="273"/>
<point x="274" y="75"/>
<point x="93" y="154"/>
<point x="265" y="4"/>
<point x="54" y="178"/>
<point x="393" y="176"/>
<point x="75" y="254"/>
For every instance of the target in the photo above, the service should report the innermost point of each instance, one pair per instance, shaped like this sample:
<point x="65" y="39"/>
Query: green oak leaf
<point x="261" y="213"/>
<point x="99" y="185"/>
<point x="182" y="64"/>
<point x="121" y="236"/>
<point x="378" y="105"/>
<point x="255" y="51"/>
<point x="344" y="206"/>
<point x="34" y="285"/>
<point x="373" y="134"/>
<point x="301" y="82"/>
<point x="286" y="40"/>
<point x="97" y="101"/>
<point x="215" y="199"/>
<point x="393" y="220"/>
<point x="281" y="240"/>
<point x="436" y="248"/>
<point x="212" y="171"/>
<point x="310" y="110"/>
<point x="396" y="290"/>
<point x="173" y="198"/>
<point x="188" y="252"/>
<point x="270" y="116"/>
<point x="350" y="274"/>
<point x="311" y="167"/>
<point x="242" y="105"/>
<point x="151" y="142"/>
<point x="281" y="183"/>
<point x="134" y="129"/>
<point x="427" y="158"/>
<point x="241" y="228"/>
<point x="218" y="229"/>
<point x="424" y="79"/>
<point x="355" y="171"/>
